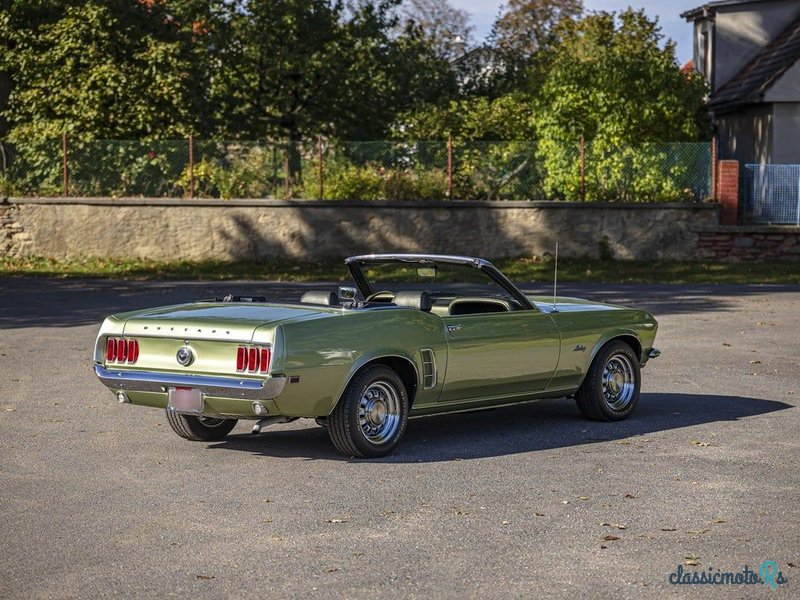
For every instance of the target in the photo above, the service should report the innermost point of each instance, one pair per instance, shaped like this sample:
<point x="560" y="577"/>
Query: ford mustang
<point x="417" y="335"/>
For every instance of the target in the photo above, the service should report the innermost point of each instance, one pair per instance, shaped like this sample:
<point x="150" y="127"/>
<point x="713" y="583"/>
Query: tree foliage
<point x="612" y="83"/>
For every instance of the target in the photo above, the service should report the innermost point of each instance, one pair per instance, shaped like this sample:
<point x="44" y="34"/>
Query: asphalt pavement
<point x="99" y="499"/>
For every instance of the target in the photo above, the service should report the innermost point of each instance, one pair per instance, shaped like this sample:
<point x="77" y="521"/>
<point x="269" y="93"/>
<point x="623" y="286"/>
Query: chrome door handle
<point x="453" y="328"/>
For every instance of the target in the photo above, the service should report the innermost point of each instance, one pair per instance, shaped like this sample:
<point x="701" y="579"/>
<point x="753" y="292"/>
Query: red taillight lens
<point x="252" y="359"/>
<point x="111" y="350"/>
<point x="265" y="356"/>
<point x="133" y="351"/>
<point x="121" y="350"/>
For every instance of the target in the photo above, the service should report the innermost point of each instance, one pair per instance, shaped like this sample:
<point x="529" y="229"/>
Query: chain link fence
<point x="771" y="194"/>
<point x="336" y="170"/>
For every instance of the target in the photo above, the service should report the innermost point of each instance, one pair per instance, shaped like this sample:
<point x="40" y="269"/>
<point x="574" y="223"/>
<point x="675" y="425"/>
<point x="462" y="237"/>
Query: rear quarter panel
<point x="326" y="353"/>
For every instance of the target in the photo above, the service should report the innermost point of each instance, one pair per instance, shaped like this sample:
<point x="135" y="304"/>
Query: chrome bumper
<point x="224" y="387"/>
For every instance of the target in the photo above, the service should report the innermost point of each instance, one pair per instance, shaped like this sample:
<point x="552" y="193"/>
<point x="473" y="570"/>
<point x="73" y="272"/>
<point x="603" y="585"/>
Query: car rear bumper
<point x="222" y="387"/>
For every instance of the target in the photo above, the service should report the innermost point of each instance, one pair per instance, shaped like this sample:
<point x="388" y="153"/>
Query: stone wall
<point x="750" y="243"/>
<point x="166" y="229"/>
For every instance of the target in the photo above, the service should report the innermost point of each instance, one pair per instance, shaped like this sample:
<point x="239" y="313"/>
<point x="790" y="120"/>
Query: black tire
<point x="199" y="429"/>
<point x="610" y="391"/>
<point x="372" y="414"/>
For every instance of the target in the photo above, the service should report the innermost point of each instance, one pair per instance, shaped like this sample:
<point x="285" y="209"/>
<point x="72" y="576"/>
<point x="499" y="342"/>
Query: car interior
<point x="442" y="305"/>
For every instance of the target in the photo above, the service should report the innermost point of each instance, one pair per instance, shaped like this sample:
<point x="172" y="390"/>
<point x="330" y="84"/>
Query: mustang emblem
<point x="579" y="348"/>
<point x="185" y="356"/>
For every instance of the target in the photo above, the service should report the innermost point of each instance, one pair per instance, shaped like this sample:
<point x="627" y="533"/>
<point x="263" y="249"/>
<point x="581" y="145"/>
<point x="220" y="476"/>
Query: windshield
<point x="438" y="279"/>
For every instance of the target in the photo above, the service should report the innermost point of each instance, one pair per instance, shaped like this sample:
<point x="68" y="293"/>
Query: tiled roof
<point x="749" y="85"/>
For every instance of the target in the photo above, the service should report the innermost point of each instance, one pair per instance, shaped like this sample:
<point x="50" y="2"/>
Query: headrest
<point x="323" y="298"/>
<point x="419" y="300"/>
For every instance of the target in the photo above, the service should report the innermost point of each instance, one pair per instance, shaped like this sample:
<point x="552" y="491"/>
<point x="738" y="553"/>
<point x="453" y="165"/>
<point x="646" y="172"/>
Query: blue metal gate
<point x="771" y="194"/>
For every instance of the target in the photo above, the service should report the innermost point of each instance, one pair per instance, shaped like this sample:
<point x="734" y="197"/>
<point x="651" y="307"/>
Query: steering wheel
<point x="382" y="296"/>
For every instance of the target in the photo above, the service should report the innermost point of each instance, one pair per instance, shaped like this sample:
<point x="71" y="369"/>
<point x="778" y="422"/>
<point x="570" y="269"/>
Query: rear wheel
<point x="610" y="391"/>
<point x="199" y="429"/>
<point x="371" y="416"/>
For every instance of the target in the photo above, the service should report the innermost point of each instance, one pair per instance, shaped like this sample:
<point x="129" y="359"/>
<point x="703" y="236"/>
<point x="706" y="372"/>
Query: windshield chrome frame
<point x="354" y="266"/>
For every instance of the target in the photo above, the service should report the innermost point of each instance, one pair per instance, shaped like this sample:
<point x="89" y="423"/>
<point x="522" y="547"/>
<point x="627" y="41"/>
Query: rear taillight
<point x="253" y="359"/>
<point x="122" y="350"/>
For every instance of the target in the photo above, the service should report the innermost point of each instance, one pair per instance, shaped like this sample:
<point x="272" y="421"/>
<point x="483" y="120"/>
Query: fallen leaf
<point x="331" y="569"/>
<point x="10" y="409"/>
<point x="565" y="502"/>
<point x="699" y="443"/>
<point x="206" y="577"/>
<point x="725" y="344"/>
<point x="794" y="566"/>
<point x="760" y="323"/>
<point x="583" y="497"/>
<point x="755" y="362"/>
<point x="537" y="514"/>
<point x="610" y="538"/>
<point x="719" y="521"/>
<point x="603" y="547"/>
<point x="629" y="496"/>
<point x="505" y="523"/>
<point x="624" y="443"/>
<point x="337" y="520"/>
<point x="697" y="531"/>
<point x="669" y="529"/>
<point x="691" y="561"/>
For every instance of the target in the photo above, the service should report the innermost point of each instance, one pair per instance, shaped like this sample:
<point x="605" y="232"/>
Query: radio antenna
<point x="555" y="279"/>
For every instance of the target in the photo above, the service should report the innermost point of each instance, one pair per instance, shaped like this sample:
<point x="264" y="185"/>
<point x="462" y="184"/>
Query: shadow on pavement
<point x="542" y="425"/>
<point x="42" y="302"/>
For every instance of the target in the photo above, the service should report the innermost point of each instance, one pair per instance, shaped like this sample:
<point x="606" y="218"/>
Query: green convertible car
<point x="419" y="334"/>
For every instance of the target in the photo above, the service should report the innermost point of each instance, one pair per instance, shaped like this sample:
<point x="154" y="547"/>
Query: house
<point x="749" y="54"/>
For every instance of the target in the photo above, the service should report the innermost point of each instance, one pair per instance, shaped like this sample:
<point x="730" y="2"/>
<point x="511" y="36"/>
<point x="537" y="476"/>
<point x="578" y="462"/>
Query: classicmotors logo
<point x="767" y="574"/>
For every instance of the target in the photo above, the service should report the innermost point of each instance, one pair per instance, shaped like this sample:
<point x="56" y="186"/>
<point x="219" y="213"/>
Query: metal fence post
<point x="583" y="169"/>
<point x="286" y="170"/>
<point x="714" y="168"/>
<point x="64" y="164"/>
<point x="449" y="166"/>
<point x="319" y="166"/>
<point x="191" y="166"/>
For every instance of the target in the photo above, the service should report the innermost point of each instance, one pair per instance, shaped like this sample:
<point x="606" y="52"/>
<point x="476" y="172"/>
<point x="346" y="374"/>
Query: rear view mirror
<point x="347" y="293"/>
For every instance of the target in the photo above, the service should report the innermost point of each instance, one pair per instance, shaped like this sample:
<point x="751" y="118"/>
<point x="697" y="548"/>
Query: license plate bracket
<point x="185" y="400"/>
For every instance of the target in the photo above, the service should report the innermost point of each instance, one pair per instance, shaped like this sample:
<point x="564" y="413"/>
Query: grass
<point x="517" y="269"/>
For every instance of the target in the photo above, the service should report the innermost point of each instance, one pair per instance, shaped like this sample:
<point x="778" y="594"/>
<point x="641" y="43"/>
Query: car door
<point x="499" y="353"/>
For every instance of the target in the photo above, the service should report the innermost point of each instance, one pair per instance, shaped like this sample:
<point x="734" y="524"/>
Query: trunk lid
<point x="214" y="321"/>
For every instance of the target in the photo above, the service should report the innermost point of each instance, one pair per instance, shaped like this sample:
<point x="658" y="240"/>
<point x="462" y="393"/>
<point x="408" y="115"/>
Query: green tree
<point x="110" y="68"/>
<point x="613" y="83"/>
<point x="295" y="68"/>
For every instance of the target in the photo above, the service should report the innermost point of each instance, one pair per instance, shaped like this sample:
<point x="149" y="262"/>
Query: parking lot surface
<point x="99" y="499"/>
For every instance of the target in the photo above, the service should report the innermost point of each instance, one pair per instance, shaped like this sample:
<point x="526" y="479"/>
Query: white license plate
<point x="185" y="400"/>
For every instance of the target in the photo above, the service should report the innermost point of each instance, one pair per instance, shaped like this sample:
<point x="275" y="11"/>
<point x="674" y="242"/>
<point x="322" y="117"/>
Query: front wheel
<point x="199" y="429"/>
<point x="371" y="416"/>
<point x="610" y="391"/>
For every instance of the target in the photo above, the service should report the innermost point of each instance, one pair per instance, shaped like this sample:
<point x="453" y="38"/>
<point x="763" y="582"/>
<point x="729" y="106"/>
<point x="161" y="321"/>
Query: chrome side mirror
<point x="347" y="293"/>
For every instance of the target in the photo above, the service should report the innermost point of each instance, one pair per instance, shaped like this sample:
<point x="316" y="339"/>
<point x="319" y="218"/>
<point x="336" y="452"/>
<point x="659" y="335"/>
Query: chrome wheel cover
<point x="379" y="412"/>
<point x="619" y="382"/>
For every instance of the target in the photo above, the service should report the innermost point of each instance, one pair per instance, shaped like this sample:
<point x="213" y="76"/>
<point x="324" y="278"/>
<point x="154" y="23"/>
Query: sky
<point x="668" y="12"/>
